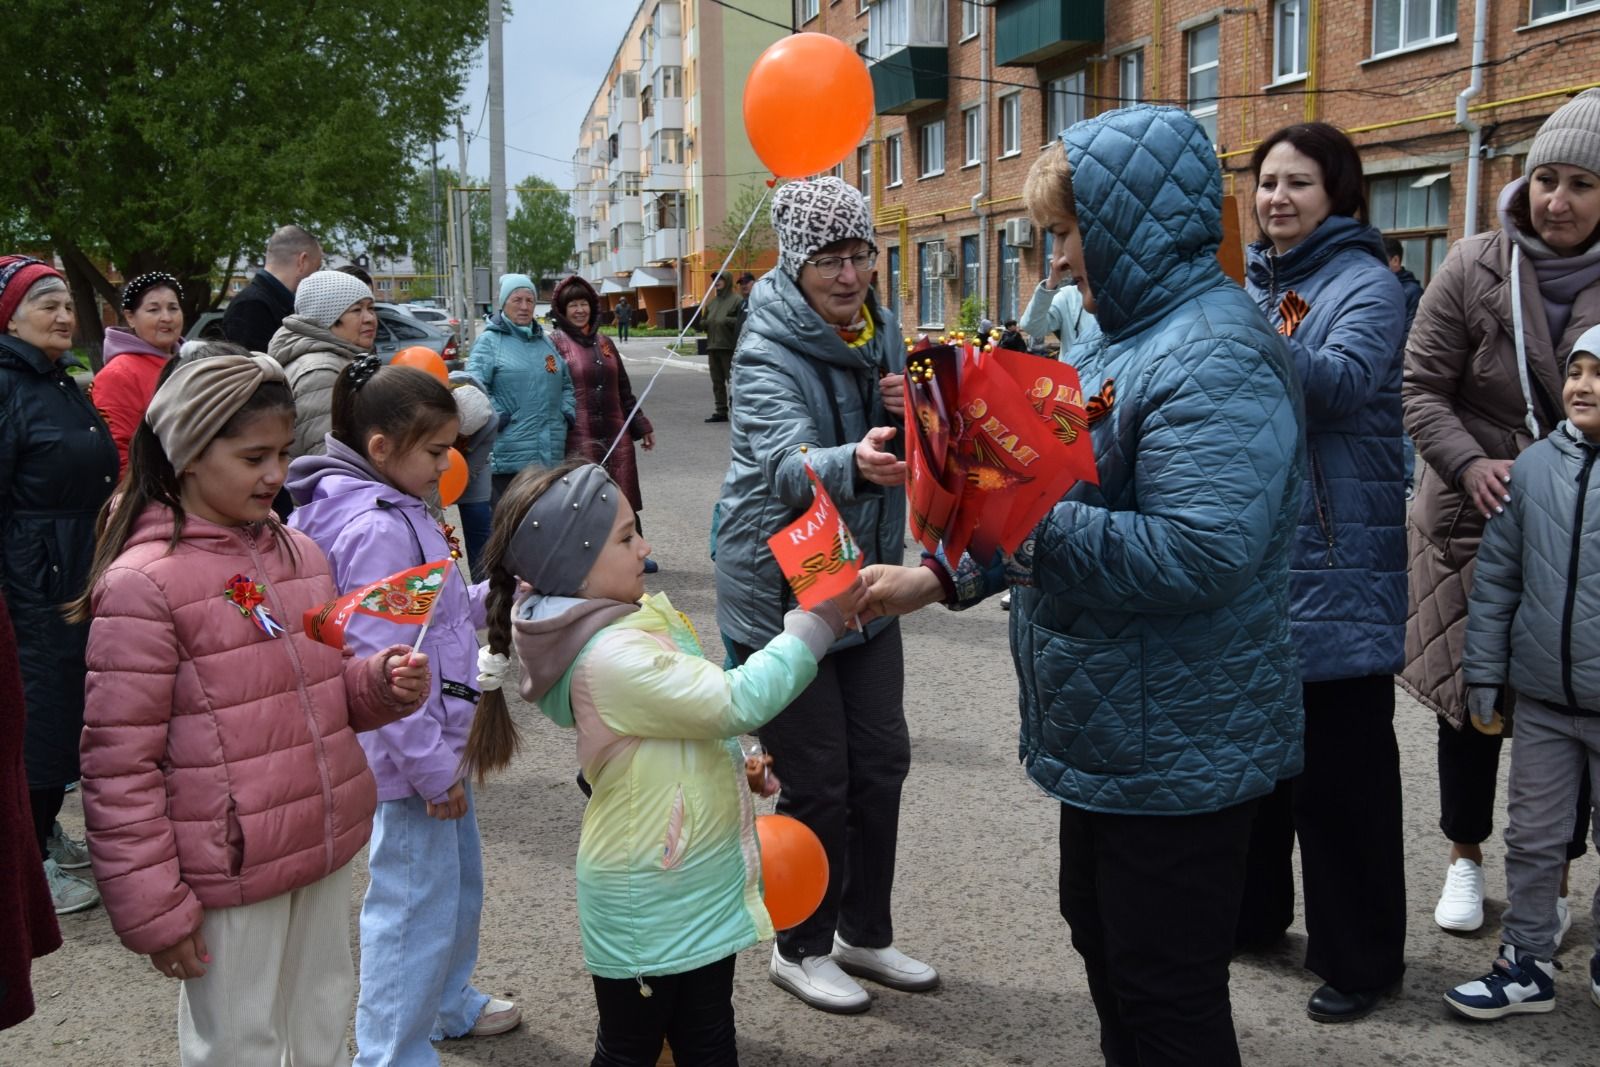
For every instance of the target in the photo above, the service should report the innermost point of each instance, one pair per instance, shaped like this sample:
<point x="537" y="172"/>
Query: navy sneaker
<point x="1517" y="984"/>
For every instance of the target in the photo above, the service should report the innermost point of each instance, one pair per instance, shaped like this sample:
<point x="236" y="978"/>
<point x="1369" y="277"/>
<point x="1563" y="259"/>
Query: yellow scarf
<point x="856" y="334"/>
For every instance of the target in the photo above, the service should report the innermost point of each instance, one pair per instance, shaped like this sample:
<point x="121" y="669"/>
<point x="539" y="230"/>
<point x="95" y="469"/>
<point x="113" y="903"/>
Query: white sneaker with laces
<point x="69" y="854"/>
<point x="497" y="1017"/>
<point x="1460" y="906"/>
<point x="67" y="893"/>
<point x="886" y="966"/>
<point x="819" y="982"/>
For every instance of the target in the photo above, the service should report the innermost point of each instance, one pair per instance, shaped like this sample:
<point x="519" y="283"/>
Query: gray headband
<point x="561" y="536"/>
<point x="197" y="401"/>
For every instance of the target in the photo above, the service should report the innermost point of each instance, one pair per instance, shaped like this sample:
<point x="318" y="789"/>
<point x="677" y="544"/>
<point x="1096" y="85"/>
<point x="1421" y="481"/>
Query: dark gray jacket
<point x="1534" y="613"/>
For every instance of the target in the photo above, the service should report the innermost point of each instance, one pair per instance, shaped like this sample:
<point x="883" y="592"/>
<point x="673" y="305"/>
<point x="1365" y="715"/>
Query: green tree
<point x="761" y="237"/>
<point x="176" y="137"/>
<point x="539" y="232"/>
<point x="414" y="232"/>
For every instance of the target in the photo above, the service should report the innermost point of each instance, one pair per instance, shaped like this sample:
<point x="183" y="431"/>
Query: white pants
<point x="280" y="984"/>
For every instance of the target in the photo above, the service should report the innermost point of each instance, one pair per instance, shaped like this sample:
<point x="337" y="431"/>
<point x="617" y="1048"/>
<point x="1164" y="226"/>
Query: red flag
<point x="405" y="599"/>
<point x="818" y="555"/>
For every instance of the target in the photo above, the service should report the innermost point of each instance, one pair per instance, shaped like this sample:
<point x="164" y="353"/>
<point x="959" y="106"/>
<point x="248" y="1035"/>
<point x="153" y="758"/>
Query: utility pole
<point x="433" y="233"/>
<point x="497" y="143"/>
<point x="470" y="317"/>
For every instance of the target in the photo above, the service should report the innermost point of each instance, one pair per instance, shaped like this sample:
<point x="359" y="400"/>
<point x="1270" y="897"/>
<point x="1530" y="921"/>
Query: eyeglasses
<point x="828" y="267"/>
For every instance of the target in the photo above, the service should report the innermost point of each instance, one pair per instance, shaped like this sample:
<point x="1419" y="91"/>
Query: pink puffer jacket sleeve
<point x="133" y="661"/>
<point x="372" y="702"/>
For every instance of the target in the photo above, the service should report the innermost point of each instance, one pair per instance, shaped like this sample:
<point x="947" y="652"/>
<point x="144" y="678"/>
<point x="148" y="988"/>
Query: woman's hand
<point x="1487" y="483"/>
<point x="648" y="440"/>
<point x="453" y="806"/>
<point x="895" y="590"/>
<point x="892" y="390"/>
<point x="186" y="959"/>
<point x="407" y="673"/>
<point x="876" y="464"/>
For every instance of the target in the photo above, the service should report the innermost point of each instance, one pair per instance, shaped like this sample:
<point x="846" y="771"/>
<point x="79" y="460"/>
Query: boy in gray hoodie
<point x="1536" y="590"/>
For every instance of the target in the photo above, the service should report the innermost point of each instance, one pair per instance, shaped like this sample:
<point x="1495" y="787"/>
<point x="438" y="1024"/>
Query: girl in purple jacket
<point x="365" y="503"/>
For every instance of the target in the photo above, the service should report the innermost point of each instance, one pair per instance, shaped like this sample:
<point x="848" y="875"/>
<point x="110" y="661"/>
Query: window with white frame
<point x="971" y="14"/>
<point x="931" y="294"/>
<point x="1203" y="56"/>
<point x="969" y="266"/>
<point x="1414" y="209"/>
<point x="806" y="10"/>
<point x="895" y="25"/>
<point x="972" y="135"/>
<point x="667" y="19"/>
<point x="667" y="146"/>
<point x="1549" y="9"/>
<point x="1399" y="24"/>
<point x="1010" y="280"/>
<point x="931" y="141"/>
<point x="669" y="83"/>
<point x="1291" y="24"/>
<point x="1130" y="77"/>
<point x="1011" y="124"/>
<point x="891" y="160"/>
<point x="1063" y="104"/>
<point x="864" y="169"/>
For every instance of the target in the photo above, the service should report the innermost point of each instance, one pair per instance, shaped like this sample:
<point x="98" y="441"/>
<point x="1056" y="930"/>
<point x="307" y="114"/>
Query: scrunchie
<point x="492" y="669"/>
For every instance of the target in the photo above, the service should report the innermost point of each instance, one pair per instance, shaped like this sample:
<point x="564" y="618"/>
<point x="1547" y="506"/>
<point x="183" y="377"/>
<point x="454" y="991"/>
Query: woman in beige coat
<point x="1482" y="382"/>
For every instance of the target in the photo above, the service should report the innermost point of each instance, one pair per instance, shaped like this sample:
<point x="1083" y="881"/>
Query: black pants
<point x="1151" y="901"/>
<point x="1469" y="765"/>
<point x="46" y="805"/>
<point x="693" y="1011"/>
<point x="720" y="362"/>
<point x="842" y="751"/>
<point x="1346" y="809"/>
<point x="622" y="329"/>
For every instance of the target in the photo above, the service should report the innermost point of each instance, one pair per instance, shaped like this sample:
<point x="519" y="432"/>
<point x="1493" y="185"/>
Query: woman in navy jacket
<point x="1320" y="275"/>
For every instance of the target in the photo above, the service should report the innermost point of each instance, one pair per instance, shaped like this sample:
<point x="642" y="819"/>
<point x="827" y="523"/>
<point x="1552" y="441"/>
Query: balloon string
<point x="673" y="348"/>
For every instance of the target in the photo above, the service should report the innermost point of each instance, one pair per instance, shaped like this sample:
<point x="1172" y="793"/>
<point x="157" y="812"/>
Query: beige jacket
<point x="1464" y="400"/>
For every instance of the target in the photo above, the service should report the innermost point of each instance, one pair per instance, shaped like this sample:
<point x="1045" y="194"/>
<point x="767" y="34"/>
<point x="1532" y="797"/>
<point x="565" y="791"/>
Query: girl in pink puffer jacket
<point x="223" y="788"/>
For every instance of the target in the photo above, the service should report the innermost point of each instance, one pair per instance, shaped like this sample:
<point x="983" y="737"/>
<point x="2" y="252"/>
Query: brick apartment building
<point x="967" y="93"/>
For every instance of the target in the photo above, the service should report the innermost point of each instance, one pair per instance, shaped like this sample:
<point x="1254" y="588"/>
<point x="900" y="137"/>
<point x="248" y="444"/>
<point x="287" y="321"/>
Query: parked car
<point x="433" y="317"/>
<point x="396" y="330"/>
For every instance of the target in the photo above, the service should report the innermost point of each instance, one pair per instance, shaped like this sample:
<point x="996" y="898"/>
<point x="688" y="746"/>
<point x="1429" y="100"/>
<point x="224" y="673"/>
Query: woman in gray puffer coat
<point x="818" y="373"/>
<point x="334" y="324"/>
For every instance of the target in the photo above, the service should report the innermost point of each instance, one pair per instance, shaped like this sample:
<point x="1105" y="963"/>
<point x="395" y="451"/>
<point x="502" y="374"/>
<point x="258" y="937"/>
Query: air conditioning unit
<point x="1019" y="233"/>
<point x="944" y="264"/>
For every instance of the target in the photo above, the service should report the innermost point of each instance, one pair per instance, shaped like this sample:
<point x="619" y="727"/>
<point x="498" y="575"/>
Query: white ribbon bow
<point x="492" y="669"/>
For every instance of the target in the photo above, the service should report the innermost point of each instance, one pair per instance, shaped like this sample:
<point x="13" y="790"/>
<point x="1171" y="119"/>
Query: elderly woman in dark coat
<point x="58" y="465"/>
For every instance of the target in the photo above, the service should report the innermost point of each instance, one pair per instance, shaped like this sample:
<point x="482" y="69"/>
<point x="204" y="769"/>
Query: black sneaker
<point x="718" y="417"/>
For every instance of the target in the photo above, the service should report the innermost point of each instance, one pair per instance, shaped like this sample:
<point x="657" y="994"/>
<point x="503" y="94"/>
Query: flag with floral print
<point x="406" y="599"/>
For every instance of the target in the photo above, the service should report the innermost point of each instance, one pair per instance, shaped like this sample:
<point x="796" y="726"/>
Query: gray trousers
<point x="1549" y="757"/>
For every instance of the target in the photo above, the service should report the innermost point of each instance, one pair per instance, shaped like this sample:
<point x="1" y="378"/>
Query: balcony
<point x="1028" y="32"/>
<point x="663" y="245"/>
<point x="909" y="79"/>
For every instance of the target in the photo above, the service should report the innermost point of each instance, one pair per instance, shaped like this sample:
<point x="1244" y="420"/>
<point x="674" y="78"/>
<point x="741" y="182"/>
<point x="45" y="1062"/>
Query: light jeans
<point x="278" y="988"/>
<point x="1550" y="754"/>
<point x="419" y="934"/>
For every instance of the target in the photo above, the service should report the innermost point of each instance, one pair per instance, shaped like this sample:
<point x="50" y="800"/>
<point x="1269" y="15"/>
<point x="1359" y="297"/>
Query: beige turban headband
<point x="197" y="401"/>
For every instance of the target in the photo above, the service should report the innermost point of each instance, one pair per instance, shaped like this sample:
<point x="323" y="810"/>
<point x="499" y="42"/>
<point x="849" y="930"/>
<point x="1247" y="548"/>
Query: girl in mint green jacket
<point x="668" y="864"/>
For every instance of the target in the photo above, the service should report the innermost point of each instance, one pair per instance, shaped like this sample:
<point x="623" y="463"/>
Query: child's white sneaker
<point x="1516" y="984"/>
<point x="1460" y="907"/>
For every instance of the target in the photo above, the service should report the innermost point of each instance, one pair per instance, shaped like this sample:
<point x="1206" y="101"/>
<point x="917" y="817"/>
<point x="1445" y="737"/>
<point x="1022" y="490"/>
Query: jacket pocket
<point x="1091" y="695"/>
<point x="235" y="841"/>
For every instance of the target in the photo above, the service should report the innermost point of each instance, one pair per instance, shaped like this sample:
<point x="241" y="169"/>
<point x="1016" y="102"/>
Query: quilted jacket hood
<point x="1336" y="234"/>
<point x="1145" y="178"/>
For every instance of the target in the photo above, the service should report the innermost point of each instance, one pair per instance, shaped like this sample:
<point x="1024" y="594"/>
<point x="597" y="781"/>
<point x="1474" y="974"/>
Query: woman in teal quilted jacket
<point x="1159" y="683"/>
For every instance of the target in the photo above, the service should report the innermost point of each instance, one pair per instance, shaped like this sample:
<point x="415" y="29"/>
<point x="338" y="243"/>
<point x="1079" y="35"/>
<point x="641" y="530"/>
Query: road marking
<point x="668" y="361"/>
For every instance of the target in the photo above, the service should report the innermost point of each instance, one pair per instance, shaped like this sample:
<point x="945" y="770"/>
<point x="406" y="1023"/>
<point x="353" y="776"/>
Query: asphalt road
<point x="976" y="892"/>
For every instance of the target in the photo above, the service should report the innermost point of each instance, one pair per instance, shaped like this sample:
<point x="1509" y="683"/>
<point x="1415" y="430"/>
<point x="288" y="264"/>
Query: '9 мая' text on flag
<point x="816" y="552"/>
<point x="406" y="599"/>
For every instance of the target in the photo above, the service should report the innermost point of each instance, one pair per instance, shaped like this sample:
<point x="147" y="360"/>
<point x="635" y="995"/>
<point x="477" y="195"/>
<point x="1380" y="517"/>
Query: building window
<point x="667" y="146"/>
<point x="667" y="20"/>
<point x="895" y="25"/>
<point x="1414" y="209"/>
<point x="669" y="83"/>
<point x="894" y="279"/>
<point x="864" y="169"/>
<point x="1549" y="9"/>
<point x="1010" y="125"/>
<point x="971" y="14"/>
<point x="1291" y="27"/>
<point x="1010" y="279"/>
<point x="1063" y="101"/>
<point x="807" y="10"/>
<point x="972" y="135"/>
<point x="969" y="267"/>
<point x="933" y="149"/>
<point x="1203" y="44"/>
<point x="891" y="160"/>
<point x="1130" y="77"/>
<point x="630" y="183"/>
<point x="1398" y="24"/>
<point x="931" y="296"/>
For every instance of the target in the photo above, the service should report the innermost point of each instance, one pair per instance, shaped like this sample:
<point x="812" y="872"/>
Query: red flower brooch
<point x="250" y="597"/>
<point x="451" y="539"/>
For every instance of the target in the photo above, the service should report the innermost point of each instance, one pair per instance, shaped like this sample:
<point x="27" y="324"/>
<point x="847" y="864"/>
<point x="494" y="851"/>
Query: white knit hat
<point x="324" y="296"/>
<point x="809" y="215"/>
<point x="473" y="407"/>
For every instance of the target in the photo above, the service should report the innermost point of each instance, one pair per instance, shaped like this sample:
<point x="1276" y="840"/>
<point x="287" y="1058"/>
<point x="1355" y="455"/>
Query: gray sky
<point x="556" y="52"/>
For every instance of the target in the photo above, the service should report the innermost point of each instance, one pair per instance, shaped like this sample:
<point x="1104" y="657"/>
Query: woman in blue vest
<point x="1321" y="276"/>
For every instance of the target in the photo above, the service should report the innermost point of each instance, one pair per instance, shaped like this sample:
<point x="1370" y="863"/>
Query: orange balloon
<point x="807" y="103"/>
<point x="794" y="869"/>
<point x="424" y="359"/>
<point x="453" y="482"/>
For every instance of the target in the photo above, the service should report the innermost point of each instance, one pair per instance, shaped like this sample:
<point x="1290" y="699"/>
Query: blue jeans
<point x="419" y="934"/>
<point x="476" y="519"/>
